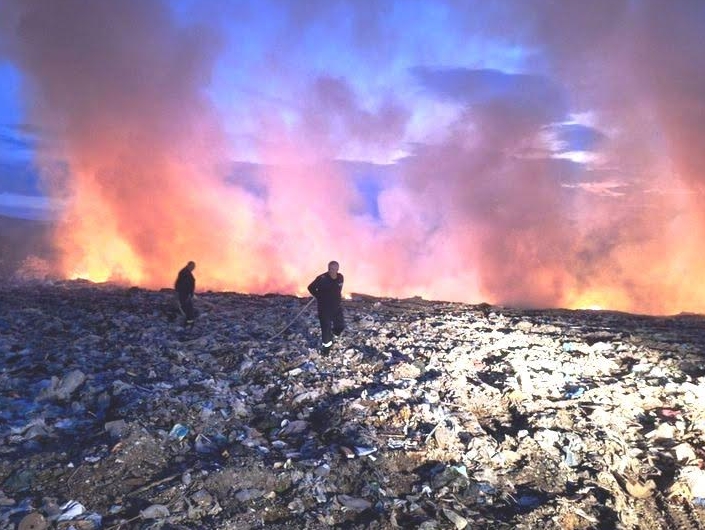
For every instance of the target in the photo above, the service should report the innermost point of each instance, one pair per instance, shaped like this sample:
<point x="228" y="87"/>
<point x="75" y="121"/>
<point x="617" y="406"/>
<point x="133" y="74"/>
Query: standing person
<point x="185" y="286"/>
<point x="327" y="289"/>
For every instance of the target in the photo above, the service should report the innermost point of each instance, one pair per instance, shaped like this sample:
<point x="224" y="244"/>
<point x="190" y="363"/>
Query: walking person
<point x="327" y="290"/>
<point x="185" y="286"/>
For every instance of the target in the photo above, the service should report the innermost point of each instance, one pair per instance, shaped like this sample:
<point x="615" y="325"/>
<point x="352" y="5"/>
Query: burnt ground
<point x="424" y="415"/>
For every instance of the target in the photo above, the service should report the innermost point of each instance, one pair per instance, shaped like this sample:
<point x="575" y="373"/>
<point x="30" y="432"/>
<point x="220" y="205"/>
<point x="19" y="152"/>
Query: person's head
<point x="191" y="265"/>
<point x="333" y="267"/>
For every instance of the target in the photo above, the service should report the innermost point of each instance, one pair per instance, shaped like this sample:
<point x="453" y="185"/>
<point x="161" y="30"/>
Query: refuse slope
<point x="424" y="415"/>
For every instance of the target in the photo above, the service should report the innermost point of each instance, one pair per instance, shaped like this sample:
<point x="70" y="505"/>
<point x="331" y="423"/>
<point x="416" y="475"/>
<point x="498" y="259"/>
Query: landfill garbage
<point x="694" y="479"/>
<point x="155" y="511"/>
<point x="364" y="451"/>
<point x="354" y="503"/>
<point x="62" y="388"/>
<point x="33" y="521"/>
<point x="458" y="520"/>
<point x="116" y="428"/>
<point x="248" y="494"/>
<point x="71" y="510"/>
<point x="423" y="415"/>
<point x="178" y="431"/>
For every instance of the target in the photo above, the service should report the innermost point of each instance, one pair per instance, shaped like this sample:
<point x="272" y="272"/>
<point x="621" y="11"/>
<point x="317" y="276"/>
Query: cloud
<point x="37" y="207"/>
<point x="14" y="144"/>
<point x="483" y="86"/>
<point x="19" y="176"/>
<point x="608" y="189"/>
<point x="577" y="137"/>
<point x="19" y="140"/>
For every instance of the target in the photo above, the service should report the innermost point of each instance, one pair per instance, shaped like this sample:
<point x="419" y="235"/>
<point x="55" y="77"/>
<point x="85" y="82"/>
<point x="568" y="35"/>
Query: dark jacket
<point x="327" y="292"/>
<point x="185" y="283"/>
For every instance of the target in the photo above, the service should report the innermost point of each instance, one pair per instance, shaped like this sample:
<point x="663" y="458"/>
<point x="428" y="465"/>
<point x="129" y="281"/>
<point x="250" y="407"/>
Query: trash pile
<point x="425" y="415"/>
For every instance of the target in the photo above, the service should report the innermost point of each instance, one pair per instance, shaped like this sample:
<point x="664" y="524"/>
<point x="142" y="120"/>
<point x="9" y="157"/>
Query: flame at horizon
<point x="489" y="206"/>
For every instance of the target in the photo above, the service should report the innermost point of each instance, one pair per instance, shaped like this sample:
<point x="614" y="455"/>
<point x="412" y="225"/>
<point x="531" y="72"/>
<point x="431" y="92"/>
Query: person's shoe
<point x="325" y="347"/>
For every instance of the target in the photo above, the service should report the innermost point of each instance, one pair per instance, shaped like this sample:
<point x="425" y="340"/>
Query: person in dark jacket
<point x="185" y="286"/>
<point x="327" y="289"/>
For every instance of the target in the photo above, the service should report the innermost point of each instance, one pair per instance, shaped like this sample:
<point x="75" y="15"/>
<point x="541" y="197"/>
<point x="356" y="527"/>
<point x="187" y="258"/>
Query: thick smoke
<point x="122" y="86"/>
<point x="486" y="206"/>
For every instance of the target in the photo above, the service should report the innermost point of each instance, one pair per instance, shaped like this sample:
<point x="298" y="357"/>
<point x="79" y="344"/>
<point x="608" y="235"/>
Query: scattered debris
<point x="423" y="415"/>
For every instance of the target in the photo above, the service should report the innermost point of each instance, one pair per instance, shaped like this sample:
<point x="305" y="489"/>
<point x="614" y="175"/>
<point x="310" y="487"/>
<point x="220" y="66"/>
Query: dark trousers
<point x="332" y="323"/>
<point x="186" y="304"/>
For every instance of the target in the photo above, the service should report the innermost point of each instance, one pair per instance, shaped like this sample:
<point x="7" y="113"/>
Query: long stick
<point x="293" y="320"/>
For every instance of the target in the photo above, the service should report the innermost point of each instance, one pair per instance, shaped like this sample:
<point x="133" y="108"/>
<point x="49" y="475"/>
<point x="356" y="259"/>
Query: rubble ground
<point x="424" y="415"/>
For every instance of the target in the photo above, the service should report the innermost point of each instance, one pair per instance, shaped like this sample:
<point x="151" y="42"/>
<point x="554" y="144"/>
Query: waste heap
<point x="424" y="415"/>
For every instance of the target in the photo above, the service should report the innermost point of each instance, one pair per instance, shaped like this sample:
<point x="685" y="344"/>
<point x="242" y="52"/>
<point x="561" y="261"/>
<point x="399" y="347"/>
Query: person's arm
<point x="313" y="287"/>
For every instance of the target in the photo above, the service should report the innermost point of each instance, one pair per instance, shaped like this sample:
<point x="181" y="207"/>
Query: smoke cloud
<point x="573" y="178"/>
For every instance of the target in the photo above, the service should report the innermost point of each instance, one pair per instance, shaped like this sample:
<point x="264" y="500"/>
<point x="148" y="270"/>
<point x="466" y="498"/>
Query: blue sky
<point x="20" y="191"/>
